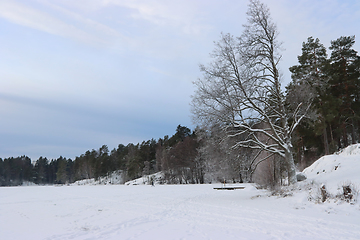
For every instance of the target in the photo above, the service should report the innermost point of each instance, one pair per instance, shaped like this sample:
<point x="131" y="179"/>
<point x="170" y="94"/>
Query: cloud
<point x="100" y="30"/>
<point x="33" y="18"/>
<point x="74" y="27"/>
<point x="51" y="128"/>
<point x="164" y="29"/>
<point x="183" y="15"/>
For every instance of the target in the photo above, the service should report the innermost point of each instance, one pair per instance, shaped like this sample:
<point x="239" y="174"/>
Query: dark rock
<point x="300" y="177"/>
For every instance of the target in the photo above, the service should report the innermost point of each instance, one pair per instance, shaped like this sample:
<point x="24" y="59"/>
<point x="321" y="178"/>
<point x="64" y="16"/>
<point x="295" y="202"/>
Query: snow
<point x="114" y="178"/>
<point x="185" y="211"/>
<point x="155" y="178"/>
<point x="336" y="170"/>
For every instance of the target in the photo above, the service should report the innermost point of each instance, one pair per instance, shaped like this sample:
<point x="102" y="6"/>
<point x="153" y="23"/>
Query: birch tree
<point x="240" y="90"/>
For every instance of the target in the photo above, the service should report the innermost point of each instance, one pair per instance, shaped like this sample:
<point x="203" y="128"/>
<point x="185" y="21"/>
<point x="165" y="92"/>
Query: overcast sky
<point x="78" y="74"/>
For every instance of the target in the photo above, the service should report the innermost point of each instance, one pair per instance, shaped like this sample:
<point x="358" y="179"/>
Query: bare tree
<point x="221" y="160"/>
<point x="241" y="91"/>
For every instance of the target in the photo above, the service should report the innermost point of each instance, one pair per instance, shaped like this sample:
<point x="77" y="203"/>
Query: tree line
<point x="175" y="156"/>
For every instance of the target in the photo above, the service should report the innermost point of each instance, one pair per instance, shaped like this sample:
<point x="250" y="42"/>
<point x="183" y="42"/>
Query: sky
<point x="76" y="75"/>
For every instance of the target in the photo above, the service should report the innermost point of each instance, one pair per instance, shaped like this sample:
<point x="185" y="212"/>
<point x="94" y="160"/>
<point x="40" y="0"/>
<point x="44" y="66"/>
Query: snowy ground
<point x="182" y="211"/>
<point x="168" y="212"/>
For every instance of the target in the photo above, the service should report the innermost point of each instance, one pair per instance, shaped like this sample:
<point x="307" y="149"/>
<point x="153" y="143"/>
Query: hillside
<point x="336" y="170"/>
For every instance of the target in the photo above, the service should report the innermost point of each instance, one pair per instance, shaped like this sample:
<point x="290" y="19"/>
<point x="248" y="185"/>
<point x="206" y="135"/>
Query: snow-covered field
<point x="183" y="211"/>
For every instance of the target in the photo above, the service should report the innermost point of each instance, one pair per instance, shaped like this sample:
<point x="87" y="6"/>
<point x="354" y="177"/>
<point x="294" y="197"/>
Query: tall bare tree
<point x="240" y="90"/>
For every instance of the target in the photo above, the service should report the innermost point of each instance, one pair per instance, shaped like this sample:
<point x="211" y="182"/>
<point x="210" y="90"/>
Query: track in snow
<point x="167" y="212"/>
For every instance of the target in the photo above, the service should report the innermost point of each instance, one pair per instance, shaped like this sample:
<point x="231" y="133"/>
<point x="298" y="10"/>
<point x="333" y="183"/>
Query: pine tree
<point x="309" y="84"/>
<point x="61" y="175"/>
<point x="344" y="86"/>
<point x="333" y="87"/>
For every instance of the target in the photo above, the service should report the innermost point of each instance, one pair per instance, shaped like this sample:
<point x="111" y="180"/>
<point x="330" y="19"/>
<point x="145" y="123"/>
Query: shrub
<point x="318" y="193"/>
<point x="349" y="192"/>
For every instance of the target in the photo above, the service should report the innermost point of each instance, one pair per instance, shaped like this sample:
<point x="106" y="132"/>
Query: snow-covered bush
<point x="348" y="192"/>
<point x="318" y="193"/>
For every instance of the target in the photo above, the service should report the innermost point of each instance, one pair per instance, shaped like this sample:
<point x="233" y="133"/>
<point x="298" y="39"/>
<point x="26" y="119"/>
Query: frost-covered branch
<point x="241" y="90"/>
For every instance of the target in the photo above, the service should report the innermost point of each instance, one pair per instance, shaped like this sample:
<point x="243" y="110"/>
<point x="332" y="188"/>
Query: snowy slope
<point x="155" y="178"/>
<point x="117" y="177"/>
<point x="336" y="170"/>
<point x="114" y="178"/>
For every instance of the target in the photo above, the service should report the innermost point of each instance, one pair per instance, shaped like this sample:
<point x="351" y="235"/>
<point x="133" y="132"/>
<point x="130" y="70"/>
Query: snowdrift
<point x="155" y="178"/>
<point x="116" y="177"/>
<point x="337" y="170"/>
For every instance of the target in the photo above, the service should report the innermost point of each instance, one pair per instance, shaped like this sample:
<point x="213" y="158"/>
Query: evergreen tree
<point x="181" y="133"/>
<point x="2" y="173"/>
<point x="133" y="166"/>
<point x="344" y="86"/>
<point x="333" y="87"/>
<point x="41" y="171"/>
<point x="309" y="83"/>
<point x="61" y="174"/>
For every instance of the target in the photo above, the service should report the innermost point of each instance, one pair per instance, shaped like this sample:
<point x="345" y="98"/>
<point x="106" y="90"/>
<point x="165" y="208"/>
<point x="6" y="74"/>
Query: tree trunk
<point x="345" y="135"/>
<point x="277" y="171"/>
<point x="326" y="142"/>
<point x="289" y="159"/>
<point x="353" y="134"/>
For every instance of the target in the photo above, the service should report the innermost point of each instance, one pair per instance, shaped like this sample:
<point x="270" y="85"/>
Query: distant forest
<point x="176" y="152"/>
<point x="207" y="154"/>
